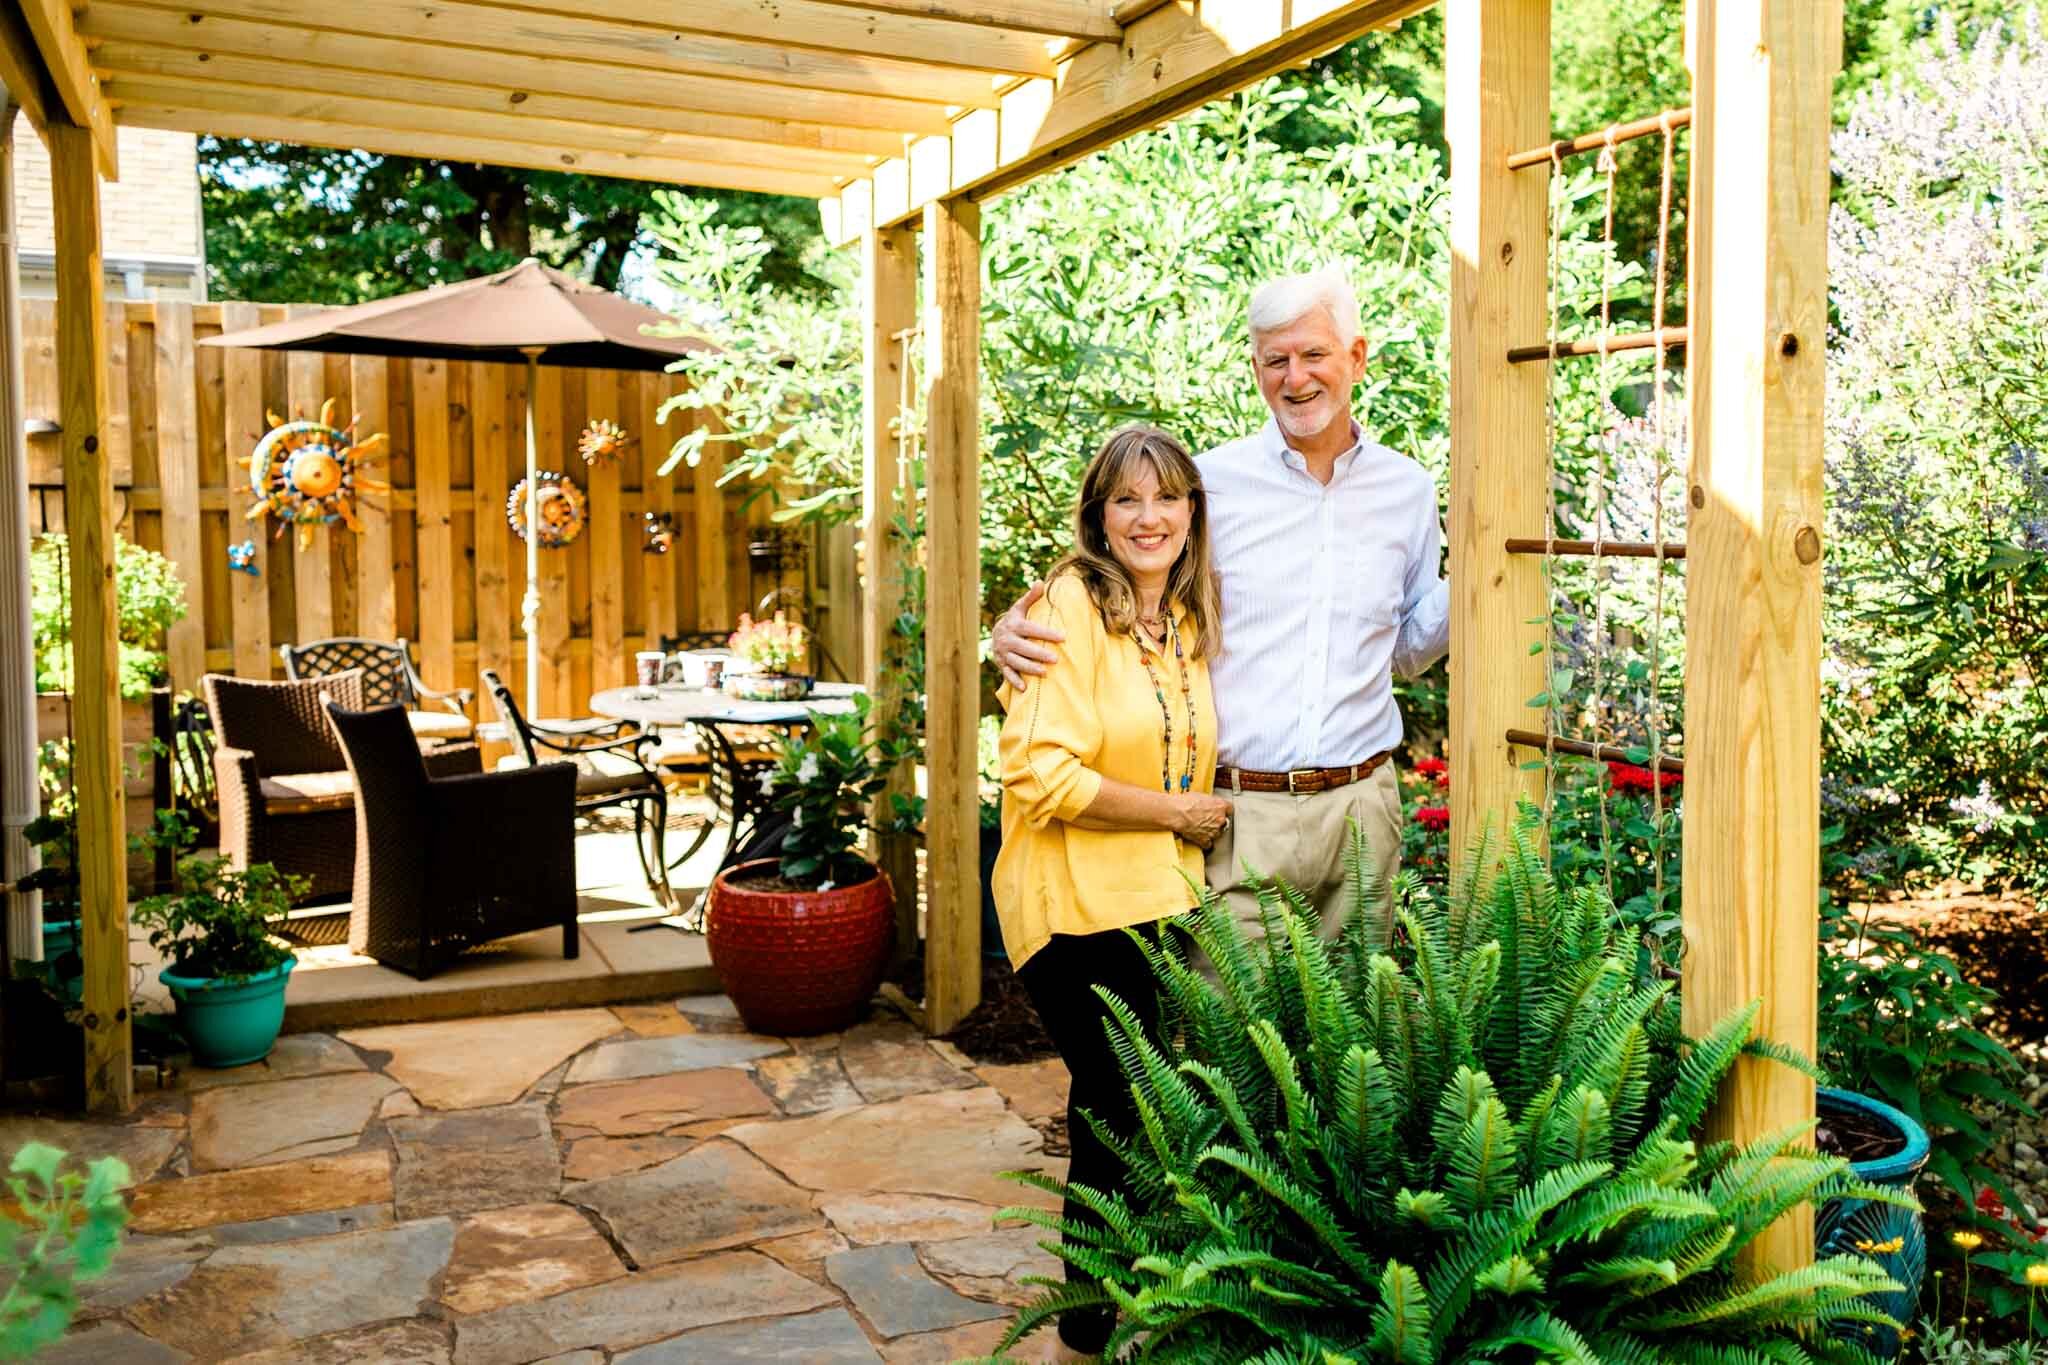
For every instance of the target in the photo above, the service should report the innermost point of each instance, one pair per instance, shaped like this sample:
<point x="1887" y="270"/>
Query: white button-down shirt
<point x="1326" y="591"/>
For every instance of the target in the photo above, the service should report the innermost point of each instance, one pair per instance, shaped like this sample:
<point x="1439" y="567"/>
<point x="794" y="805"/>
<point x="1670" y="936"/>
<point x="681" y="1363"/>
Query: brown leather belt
<point x="1301" y="781"/>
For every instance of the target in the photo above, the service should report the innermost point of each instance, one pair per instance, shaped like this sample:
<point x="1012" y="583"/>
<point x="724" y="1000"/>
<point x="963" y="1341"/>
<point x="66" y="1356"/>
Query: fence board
<point x="174" y="428"/>
<point x="242" y="410"/>
<point x="607" y="570"/>
<point x="497" y="430"/>
<point x="312" y="565"/>
<point x="376" y="595"/>
<point x="435" y="510"/>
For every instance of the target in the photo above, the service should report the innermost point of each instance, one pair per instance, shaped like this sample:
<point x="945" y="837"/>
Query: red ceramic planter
<point x="800" y="962"/>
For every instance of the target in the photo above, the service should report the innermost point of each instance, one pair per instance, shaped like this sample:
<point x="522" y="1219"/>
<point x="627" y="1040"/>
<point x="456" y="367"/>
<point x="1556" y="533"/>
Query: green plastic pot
<point x="230" y="1022"/>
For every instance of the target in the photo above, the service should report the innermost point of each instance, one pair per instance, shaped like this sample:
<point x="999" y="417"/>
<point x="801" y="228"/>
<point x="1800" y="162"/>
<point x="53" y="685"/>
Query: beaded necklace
<point x="1187" y="696"/>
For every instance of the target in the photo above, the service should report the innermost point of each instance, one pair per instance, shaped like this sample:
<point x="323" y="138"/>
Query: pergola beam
<point x="55" y="31"/>
<point x="1088" y="20"/>
<point x="424" y="100"/>
<point x="492" y="151"/>
<point x="450" y="31"/>
<point x="1169" y="62"/>
<point x="21" y="69"/>
<point x="515" y="73"/>
<point x="261" y="102"/>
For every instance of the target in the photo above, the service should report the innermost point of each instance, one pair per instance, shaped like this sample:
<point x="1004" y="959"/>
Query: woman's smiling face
<point x="1145" y="526"/>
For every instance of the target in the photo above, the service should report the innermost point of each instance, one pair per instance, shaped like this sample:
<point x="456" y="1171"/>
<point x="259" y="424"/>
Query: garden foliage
<point x="218" y="922"/>
<point x="1481" y="1143"/>
<point x="149" y="599"/>
<point x="64" y="1229"/>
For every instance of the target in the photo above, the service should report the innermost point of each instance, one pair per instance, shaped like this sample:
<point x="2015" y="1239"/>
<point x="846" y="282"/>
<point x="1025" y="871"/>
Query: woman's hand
<point x="1013" y="644"/>
<point x="1200" y="817"/>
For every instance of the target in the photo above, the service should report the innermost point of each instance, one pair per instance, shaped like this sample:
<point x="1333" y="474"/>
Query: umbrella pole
<point x="529" y="605"/>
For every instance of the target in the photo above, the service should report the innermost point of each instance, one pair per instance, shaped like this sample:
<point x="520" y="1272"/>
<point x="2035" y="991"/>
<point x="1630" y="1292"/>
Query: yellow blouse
<point x="1095" y="714"/>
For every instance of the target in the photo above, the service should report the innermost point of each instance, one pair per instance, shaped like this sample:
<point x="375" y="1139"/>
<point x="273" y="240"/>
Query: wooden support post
<point x="1762" y="80"/>
<point x="96" y="703"/>
<point x="177" y="474"/>
<point x="889" y="308"/>
<point x="952" y="376"/>
<point x="1497" y="67"/>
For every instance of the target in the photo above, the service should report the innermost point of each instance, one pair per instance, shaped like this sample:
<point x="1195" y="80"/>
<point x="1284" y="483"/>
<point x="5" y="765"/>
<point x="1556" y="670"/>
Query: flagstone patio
<point x="645" y="1184"/>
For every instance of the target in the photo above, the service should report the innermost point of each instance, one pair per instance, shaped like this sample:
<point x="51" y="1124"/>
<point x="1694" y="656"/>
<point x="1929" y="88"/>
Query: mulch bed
<point x="1998" y="942"/>
<point x="1003" y="1029"/>
<point x="1857" y="1136"/>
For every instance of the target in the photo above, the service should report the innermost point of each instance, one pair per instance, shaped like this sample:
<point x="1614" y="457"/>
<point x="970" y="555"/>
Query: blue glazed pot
<point x="233" y="1022"/>
<point x="1842" y="1223"/>
<point x="60" y="936"/>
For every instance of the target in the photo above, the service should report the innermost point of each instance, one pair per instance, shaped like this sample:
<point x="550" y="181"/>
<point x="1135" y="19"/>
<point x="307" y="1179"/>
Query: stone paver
<point x="638" y="1309"/>
<point x="296" y="1227"/>
<point x="894" y="1294"/>
<point x="144" y="1266"/>
<point x="246" y="1298"/>
<point x="308" y="1186"/>
<point x="828" y="1338"/>
<point x="507" y="1256"/>
<point x="599" y="1157"/>
<point x="470" y="1063"/>
<point x="715" y="1196"/>
<point x="804" y="1253"/>
<point x="1035" y="1090"/>
<point x="109" y="1343"/>
<point x="715" y="1008"/>
<point x="250" y="1125"/>
<point x="653" y="1021"/>
<point x="417" y="1341"/>
<point x="659" y="1056"/>
<point x="870" y="1218"/>
<point x="954" y="1142"/>
<point x="656" y="1104"/>
<point x="806" y="1083"/>
<point x="888" y="1058"/>
<point x="144" y="1148"/>
<point x="994" y="1264"/>
<point x="474" y="1159"/>
<point x="971" y="1342"/>
<point x="296" y="1055"/>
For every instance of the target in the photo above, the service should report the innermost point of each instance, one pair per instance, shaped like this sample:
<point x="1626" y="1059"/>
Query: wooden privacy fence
<point x="436" y="562"/>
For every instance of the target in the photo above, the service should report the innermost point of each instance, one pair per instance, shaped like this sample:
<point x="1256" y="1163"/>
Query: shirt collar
<point x="1276" y="445"/>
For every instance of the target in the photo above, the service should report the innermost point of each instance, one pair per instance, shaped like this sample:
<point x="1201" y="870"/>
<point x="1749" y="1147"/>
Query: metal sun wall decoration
<point x="560" y="507"/>
<point x="308" y="474"/>
<point x="602" y="442"/>
<point x="660" y="530"/>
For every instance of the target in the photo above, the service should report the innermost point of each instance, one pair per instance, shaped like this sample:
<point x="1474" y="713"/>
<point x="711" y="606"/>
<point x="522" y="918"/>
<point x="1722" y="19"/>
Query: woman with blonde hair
<point x="1108" y="763"/>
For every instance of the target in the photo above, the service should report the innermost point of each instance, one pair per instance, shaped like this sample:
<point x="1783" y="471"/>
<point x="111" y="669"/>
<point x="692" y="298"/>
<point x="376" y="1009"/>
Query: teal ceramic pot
<point x="230" y="1023"/>
<point x="1842" y="1223"/>
<point x="60" y="936"/>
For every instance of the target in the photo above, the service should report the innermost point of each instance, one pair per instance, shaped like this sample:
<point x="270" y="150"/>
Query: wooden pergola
<point x="902" y="116"/>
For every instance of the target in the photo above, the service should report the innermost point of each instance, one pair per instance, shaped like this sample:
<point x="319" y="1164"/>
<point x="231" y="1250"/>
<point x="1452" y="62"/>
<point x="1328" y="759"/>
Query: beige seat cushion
<point x="438" y="725"/>
<point x="300" y="793"/>
<point x="596" y="784"/>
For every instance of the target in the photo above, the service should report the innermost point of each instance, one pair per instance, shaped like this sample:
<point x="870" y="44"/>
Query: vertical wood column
<point x="1497" y="78"/>
<point x="889" y="308"/>
<point x="1762" y="80"/>
<point x="20" y="796"/>
<point x="952" y="337"/>
<point x="96" y="704"/>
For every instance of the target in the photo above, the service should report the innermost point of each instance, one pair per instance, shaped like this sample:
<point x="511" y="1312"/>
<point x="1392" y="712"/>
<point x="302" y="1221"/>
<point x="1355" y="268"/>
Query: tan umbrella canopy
<point x="530" y="314"/>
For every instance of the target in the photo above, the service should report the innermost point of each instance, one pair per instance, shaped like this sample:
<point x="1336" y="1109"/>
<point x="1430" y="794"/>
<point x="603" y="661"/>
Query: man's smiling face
<point x="1306" y="373"/>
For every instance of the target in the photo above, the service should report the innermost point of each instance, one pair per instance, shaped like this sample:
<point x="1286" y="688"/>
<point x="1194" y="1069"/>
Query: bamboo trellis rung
<point x="1606" y="753"/>
<point x="1674" y="338"/>
<point x="1597" y="549"/>
<point x="1593" y="142"/>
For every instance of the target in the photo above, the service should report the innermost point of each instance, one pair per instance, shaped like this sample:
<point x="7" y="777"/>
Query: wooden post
<point x="1762" y="80"/>
<point x="1497" y="78"/>
<point x="889" y="308"/>
<point x="177" y="474"/>
<point x="96" y="703"/>
<point x="952" y="338"/>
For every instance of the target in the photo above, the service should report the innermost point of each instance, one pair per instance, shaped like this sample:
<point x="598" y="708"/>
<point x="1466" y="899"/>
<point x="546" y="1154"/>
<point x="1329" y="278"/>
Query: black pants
<point x="1061" y="978"/>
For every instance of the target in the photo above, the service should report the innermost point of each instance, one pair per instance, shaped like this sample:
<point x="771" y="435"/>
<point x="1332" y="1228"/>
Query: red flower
<point x="1433" y="817"/>
<point x="1436" y="768"/>
<point x="1628" y="777"/>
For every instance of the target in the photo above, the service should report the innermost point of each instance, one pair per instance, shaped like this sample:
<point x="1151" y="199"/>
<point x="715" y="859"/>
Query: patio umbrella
<point x="530" y="314"/>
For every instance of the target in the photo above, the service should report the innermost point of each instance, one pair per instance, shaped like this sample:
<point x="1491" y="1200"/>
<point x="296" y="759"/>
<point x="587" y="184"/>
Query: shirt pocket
<point x="1369" y="601"/>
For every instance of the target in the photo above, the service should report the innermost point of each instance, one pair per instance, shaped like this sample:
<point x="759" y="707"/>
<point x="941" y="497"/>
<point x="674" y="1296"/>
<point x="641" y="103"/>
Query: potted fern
<point x="1480" y="1145"/>
<point x="800" y="940"/>
<point x="226" y="973"/>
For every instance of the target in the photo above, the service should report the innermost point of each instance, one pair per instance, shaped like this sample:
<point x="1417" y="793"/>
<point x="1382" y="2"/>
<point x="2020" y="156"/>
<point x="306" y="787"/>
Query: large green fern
<point x="1477" y="1146"/>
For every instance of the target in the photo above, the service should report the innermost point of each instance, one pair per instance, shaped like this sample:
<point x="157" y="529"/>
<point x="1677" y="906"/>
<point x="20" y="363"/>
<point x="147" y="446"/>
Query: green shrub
<point x="1480" y="1145"/>
<point x="149" y="597"/>
<point x="66" y="1231"/>
<point x="218" y="923"/>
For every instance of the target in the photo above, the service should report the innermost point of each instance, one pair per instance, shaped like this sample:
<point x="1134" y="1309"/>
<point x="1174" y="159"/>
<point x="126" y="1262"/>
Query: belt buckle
<point x="1294" y="773"/>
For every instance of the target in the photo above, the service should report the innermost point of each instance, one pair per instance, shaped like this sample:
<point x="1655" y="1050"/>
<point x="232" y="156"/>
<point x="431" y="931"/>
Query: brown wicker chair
<point x="389" y="675"/>
<point x="445" y="863"/>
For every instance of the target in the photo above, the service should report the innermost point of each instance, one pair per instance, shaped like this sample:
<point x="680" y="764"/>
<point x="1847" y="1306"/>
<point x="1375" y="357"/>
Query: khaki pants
<point x="1301" y="840"/>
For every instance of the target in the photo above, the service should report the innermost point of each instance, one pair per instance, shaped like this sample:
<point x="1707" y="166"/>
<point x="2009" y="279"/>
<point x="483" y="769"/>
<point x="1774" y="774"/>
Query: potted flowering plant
<point x="773" y="652"/>
<point x="800" y="940"/>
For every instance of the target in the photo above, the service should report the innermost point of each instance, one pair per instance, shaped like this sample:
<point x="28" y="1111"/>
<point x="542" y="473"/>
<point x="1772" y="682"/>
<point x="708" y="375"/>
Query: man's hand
<point x="1202" y="818"/>
<point x="1012" y="642"/>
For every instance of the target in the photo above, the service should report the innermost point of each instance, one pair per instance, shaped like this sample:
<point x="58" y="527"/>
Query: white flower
<point x="807" y="771"/>
<point x="798" y="817"/>
<point x="768" y="783"/>
<point x="826" y="885"/>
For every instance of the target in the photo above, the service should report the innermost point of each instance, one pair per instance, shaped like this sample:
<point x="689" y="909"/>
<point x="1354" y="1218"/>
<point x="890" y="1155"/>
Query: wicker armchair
<point x="610" y="768"/>
<point x="445" y="863"/>
<point x="389" y="675"/>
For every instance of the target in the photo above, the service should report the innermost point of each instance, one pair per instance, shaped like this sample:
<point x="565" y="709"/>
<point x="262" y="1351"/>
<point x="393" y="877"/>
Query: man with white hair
<point x="1328" y="547"/>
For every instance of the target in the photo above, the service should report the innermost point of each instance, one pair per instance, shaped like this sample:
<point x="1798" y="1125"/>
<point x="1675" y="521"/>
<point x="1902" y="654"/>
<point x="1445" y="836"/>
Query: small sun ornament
<point x="602" y="442"/>
<point x="560" y="508"/>
<point x="308" y="474"/>
<point x="242" y="559"/>
<point x="660" y="530"/>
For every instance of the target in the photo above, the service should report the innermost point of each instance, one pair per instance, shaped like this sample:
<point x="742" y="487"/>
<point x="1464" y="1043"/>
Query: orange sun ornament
<point x="308" y="474"/>
<point x="602" y="442"/>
